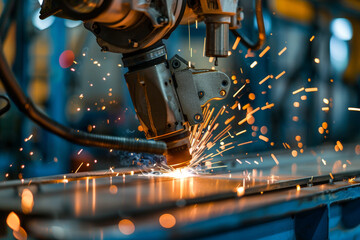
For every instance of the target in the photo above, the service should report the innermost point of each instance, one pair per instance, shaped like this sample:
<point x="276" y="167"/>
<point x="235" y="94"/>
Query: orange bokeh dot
<point x="167" y="220"/>
<point x="298" y="138"/>
<point x="13" y="221"/>
<point x="66" y="58"/>
<point x="294" y="153"/>
<point x="263" y="130"/>
<point x="252" y="96"/>
<point x="250" y="120"/>
<point x="126" y="226"/>
<point x="357" y="150"/>
<point x="324" y="125"/>
<point x="113" y="189"/>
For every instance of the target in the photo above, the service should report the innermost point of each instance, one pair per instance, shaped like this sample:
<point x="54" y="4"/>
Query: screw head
<point x="197" y="117"/>
<point x="222" y="93"/>
<point x="162" y="20"/>
<point x="176" y="64"/>
<point x="201" y="94"/>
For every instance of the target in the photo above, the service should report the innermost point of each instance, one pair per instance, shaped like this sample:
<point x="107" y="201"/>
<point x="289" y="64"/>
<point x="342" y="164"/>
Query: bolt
<point x="222" y="93"/>
<point x="201" y="94"/>
<point x="198" y="117"/>
<point x="104" y="49"/>
<point x="162" y="20"/>
<point x="133" y="43"/>
<point x="224" y="83"/>
<point x="176" y="64"/>
<point x="96" y="28"/>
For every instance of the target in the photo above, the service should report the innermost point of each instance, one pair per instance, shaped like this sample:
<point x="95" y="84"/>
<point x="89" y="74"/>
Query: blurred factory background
<point x="63" y="70"/>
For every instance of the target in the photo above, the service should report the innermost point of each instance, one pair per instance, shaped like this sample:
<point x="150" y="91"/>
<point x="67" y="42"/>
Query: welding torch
<point x="168" y="95"/>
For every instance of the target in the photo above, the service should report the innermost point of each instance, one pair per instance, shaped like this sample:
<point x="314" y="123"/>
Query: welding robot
<point x="168" y="95"/>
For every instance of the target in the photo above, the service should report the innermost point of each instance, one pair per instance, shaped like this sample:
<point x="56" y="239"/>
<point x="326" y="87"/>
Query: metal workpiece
<point x="266" y="203"/>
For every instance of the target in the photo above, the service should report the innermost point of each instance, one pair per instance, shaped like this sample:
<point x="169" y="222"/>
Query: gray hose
<point x="26" y="106"/>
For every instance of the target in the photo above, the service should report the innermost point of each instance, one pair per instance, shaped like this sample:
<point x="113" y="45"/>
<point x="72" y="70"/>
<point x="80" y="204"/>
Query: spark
<point x="312" y="38"/>
<point x="204" y="46"/>
<point x="325" y="109"/>
<point x="275" y="159"/>
<point x="80" y="151"/>
<point x="253" y="64"/>
<point x="354" y="109"/>
<point x="314" y="89"/>
<point x="244" y="143"/>
<point x="238" y="91"/>
<point x="299" y="90"/>
<point x="265" y="139"/>
<point x="229" y="120"/>
<point x="29" y="138"/>
<point x="282" y="51"/>
<point x="79" y="167"/>
<point x="248" y="115"/>
<point x="235" y="105"/>
<point x="239" y="133"/>
<point x="317" y="60"/>
<point x="323" y="161"/>
<point x="280" y="75"/>
<point x="264" y="51"/>
<point x="326" y="101"/>
<point x="265" y="79"/>
<point x="236" y="43"/>
<point x="268" y="106"/>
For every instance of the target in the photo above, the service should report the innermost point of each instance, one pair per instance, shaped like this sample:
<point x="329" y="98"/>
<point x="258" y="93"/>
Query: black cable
<point x="261" y="29"/>
<point x="5" y="18"/>
<point x="6" y="108"/>
<point x="26" y="106"/>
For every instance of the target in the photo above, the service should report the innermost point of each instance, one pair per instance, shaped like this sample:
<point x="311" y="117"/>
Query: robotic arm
<point x="167" y="94"/>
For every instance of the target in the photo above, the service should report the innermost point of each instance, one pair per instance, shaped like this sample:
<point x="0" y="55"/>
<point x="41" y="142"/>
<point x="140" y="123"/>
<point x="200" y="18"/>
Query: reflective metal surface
<point x="93" y="204"/>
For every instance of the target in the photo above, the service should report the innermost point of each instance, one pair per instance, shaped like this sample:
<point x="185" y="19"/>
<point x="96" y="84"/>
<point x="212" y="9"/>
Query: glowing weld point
<point x="240" y="191"/>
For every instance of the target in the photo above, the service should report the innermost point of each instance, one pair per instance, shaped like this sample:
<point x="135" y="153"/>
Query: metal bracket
<point x="195" y="88"/>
